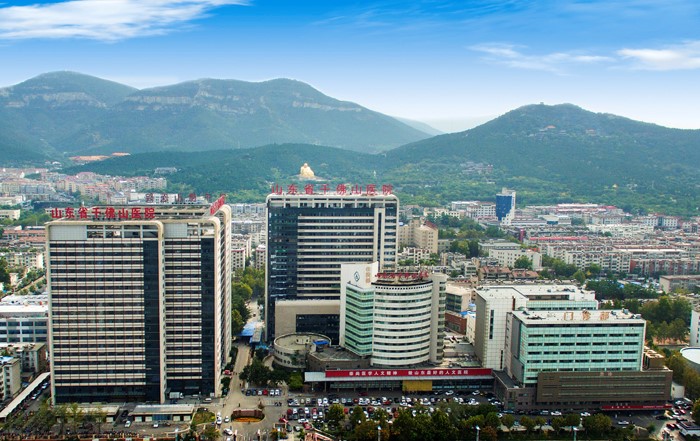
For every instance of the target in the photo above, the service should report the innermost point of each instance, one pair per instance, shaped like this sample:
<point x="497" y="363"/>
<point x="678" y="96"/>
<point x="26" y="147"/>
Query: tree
<point x="491" y="420"/>
<point x="580" y="277"/>
<point x="211" y="433"/>
<point x="296" y="382"/>
<point x="424" y="428"/>
<point x="489" y="434"/>
<point x="366" y="431"/>
<point x="696" y="410"/>
<point x="441" y="423"/>
<point x="76" y="415"/>
<point x="357" y="416"/>
<point x="528" y="423"/>
<point x="403" y="427"/>
<point x="508" y="421"/>
<point x="572" y="420"/>
<point x="256" y="372"/>
<point x="100" y="417"/>
<point x="523" y="262"/>
<point x="594" y="270"/>
<point x="557" y="423"/>
<point x="597" y="424"/>
<point x="4" y="273"/>
<point x="237" y="323"/>
<point x="335" y="415"/>
<point x="61" y="413"/>
<point x="241" y="290"/>
<point x="540" y="422"/>
<point x="678" y="365"/>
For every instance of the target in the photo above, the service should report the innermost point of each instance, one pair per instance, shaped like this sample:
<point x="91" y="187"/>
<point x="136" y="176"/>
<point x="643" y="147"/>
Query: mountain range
<point x="549" y="154"/>
<point x="559" y="153"/>
<point x="69" y="113"/>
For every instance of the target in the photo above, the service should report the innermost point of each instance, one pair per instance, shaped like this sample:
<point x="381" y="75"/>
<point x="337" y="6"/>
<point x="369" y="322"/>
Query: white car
<point x="127" y="424"/>
<point x="623" y="423"/>
<point x="155" y="425"/>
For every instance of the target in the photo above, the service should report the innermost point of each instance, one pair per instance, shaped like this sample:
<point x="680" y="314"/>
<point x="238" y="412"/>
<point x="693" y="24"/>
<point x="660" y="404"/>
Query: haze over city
<point x="449" y="64"/>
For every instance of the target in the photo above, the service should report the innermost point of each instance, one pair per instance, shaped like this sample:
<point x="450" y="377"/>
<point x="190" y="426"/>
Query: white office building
<point x="396" y="319"/>
<point x="494" y="303"/>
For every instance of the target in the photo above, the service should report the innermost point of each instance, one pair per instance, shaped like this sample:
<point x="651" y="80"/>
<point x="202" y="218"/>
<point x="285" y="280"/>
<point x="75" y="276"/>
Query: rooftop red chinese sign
<point x="339" y="190"/>
<point x="217" y="204"/>
<point x="111" y="213"/>
<point x="419" y="373"/>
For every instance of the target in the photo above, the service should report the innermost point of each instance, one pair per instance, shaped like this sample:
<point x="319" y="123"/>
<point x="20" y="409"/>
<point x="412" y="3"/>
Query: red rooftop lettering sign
<point x="419" y="373"/>
<point x="403" y="276"/>
<point x="217" y="204"/>
<point x="104" y="213"/>
<point x="339" y="190"/>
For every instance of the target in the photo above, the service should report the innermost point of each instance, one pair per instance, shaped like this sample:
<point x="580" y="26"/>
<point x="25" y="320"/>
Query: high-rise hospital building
<point x="139" y="301"/>
<point x="308" y="237"/>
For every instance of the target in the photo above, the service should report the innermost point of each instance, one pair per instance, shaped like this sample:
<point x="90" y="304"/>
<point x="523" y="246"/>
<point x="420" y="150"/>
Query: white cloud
<point x="556" y="62"/>
<point x="679" y="57"/>
<point x="108" y="20"/>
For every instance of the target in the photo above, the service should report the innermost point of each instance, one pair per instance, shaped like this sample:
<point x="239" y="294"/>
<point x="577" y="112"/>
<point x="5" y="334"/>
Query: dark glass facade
<point x="207" y="385"/>
<point x="152" y="305"/>
<point x="327" y="324"/>
<point x="504" y="203"/>
<point x="309" y="237"/>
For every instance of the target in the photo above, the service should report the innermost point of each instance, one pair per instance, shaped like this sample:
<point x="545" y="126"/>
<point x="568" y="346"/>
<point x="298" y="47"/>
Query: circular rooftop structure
<point x="692" y="356"/>
<point x="290" y="350"/>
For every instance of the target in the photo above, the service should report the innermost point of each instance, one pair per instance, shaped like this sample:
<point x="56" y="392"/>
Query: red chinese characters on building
<point x="217" y="204"/>
<point x="127" y="213"/>
<point x="440" y="372"/>
<point x="340" y="189"/>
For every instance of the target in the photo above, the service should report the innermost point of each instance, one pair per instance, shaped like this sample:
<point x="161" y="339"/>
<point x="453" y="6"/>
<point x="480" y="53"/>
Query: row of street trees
<point x="70" y="416"/>
<point x="246" y="284"/>
<point x="453" y="422"/>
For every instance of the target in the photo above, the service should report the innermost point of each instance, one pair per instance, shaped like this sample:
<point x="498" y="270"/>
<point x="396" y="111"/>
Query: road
<point x="237" y="399"/>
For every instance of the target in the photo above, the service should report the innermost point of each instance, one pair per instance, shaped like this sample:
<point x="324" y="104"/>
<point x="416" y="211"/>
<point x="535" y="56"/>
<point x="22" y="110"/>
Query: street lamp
<point x="379" y="433"/>
<point x="575" y="429"/>
<point x="477" y="432"/>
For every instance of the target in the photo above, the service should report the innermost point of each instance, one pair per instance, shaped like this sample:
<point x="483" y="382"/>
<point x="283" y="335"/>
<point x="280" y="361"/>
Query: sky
<point x="451" y="64"/>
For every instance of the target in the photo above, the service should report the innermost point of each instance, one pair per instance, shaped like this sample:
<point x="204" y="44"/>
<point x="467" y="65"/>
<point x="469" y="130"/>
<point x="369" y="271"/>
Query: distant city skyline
<point x="449" y="64"/>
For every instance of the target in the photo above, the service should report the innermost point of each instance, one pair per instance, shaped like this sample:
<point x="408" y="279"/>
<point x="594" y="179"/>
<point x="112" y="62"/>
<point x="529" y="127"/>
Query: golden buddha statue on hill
<point x="305" y="172"/>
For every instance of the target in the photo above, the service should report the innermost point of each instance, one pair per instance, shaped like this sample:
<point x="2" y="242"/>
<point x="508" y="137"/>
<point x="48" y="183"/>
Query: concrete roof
<point x="163" y="409"/>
